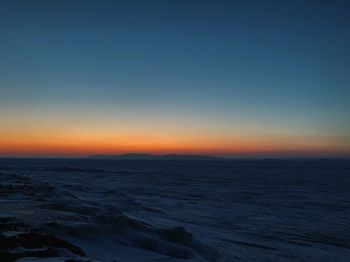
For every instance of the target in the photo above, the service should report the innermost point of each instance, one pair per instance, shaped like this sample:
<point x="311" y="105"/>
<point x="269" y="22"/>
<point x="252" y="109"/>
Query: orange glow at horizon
<point x="88" y="143"/>
<point x="32" y="136"/>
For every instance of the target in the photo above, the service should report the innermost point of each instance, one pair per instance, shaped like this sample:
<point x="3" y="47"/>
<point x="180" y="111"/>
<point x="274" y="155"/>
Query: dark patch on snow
<point x="177" y="235"/>
<point x="25" y="241"/>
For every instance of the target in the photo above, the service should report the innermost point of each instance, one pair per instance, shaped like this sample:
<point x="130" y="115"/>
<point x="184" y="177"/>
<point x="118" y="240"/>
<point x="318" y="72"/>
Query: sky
<point x="228" y="78"/>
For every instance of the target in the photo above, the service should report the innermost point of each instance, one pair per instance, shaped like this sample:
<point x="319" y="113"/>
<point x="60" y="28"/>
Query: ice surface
<point x="103" y="210"/>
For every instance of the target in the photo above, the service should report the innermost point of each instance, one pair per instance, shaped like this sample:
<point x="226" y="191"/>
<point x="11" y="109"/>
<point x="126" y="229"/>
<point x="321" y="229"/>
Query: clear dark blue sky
<point x="239" y="76"/>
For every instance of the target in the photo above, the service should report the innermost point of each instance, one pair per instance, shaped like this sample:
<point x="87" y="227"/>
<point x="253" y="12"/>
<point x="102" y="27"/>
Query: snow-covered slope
<point x="41" y="220"/>
<point x="124" y="210"/>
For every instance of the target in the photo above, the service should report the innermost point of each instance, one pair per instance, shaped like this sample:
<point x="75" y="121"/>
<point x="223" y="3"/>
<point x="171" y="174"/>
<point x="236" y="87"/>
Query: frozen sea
<point x="136" y="210"/>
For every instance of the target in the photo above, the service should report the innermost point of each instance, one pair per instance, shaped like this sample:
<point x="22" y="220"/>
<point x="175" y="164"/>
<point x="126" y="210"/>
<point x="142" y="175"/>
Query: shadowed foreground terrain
<point x="39" y="220"/>
<point x="137" y="210"/>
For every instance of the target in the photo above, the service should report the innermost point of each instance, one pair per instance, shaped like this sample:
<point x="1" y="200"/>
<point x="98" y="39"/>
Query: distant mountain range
<point x="134" y="156"/>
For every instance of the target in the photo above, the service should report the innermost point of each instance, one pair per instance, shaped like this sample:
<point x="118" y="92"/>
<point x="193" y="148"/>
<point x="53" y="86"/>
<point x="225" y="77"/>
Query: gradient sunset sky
<point x="232" y="78"/>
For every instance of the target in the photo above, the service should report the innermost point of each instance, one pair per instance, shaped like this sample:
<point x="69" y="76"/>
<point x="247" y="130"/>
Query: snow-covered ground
<point x="102" y="210"/>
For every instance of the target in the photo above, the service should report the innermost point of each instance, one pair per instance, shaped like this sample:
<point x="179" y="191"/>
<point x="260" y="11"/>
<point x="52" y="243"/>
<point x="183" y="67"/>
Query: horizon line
<point x="248" y="156"/>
